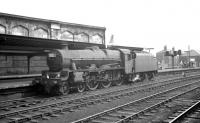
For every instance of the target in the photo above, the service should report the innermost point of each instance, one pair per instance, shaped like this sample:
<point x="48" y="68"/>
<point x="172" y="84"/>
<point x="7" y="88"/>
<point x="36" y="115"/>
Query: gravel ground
<point x="20" y="95"/>
<point x="93" y="109"/>
<point x="165" y="111"/>
<point x="90" y="110"/>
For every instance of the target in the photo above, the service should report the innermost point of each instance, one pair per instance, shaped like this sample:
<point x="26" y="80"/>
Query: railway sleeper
<point x="34" y="121"/>
<point x="193" y="117"/>
<point x="45" y="118"/>
<point x="148" y="114"/>
<point x="55" y="115"/>
<point x="109" y="117"/>
<point x="101" y="121"/>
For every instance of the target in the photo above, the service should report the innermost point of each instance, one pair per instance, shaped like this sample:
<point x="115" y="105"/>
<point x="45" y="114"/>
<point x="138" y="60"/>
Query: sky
<point x="137" y="23"/>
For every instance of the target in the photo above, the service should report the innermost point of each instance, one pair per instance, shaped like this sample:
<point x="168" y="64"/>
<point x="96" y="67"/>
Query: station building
<point x="193" y="56"/>
<point x="24" y="41"/>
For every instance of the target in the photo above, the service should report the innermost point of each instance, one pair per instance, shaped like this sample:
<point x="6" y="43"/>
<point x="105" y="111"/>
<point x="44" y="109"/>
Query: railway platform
<point x="16" y="81"/>
<point x="178" y="70"/>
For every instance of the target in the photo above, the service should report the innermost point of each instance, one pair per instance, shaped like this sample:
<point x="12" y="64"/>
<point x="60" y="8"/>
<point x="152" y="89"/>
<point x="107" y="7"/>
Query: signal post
<point x="172" y="53"/>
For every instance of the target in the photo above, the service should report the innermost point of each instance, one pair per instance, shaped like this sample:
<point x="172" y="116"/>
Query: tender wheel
<point x="81" y="87"/>
<point x="119" y="79"/>
<point x="142" y="76"/>
<point x="106" y="84"/>
<point x="151" y="76"/>
<point x="146" y="77"/>
<point x="92" y="83"/>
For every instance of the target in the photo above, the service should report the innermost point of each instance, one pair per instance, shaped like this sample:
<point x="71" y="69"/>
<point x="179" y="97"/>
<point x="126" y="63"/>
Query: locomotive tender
<point x="92" y="67"/>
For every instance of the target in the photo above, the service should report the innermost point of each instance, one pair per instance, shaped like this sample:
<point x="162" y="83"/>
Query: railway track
<point x="24" y="102"/>
<point x="8" y="94"/>
<point x="131" y="111"/>
<point x="48" y="110"/>
<point x="9" y="105"/>
<point x="27" y="88"/>
<point x="188" y="114"/>
<point x="35" y="100"/>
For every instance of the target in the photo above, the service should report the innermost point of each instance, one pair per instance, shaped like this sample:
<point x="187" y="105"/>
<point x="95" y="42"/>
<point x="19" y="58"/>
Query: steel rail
<point x="23" y="101"/>
<point x="119" y="91"/>
<point x="69" y="108"/>
<point x="56" y="104"/>
<point x="90" y="118"/>
<point x="185" y="112"/>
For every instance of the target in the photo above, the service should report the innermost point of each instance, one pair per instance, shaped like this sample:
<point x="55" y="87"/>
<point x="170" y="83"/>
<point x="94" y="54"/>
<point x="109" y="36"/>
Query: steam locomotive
<point x="92" y="68"/>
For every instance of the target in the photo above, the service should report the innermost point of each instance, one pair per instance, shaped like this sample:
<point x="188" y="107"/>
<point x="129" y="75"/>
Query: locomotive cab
<point x="128" y="60"/>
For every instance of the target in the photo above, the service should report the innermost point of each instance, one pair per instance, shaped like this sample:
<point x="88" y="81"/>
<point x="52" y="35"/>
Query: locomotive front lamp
<point x="47" y="76"/>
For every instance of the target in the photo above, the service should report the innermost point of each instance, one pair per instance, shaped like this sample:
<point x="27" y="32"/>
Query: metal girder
<point x="125" y="47"/>
<point x="13" y="40"/>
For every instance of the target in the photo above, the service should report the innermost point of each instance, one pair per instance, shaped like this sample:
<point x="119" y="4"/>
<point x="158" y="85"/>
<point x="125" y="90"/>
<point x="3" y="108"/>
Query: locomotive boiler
<point x="93" y="68"/>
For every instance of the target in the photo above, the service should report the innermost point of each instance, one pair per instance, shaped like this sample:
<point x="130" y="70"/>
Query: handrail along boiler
<point x="92" y="67"/>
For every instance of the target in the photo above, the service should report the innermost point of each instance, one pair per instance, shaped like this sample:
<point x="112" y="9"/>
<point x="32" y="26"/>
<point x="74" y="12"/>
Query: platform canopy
<point x="17" y="45"/>
<point x="125" y="47"/>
